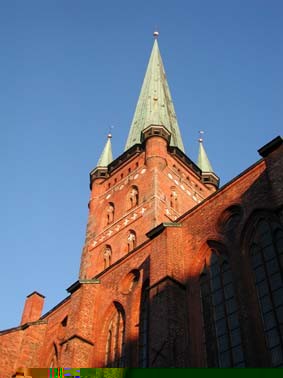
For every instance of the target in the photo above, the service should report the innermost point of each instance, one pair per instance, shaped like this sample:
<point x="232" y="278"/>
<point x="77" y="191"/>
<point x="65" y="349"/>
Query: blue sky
<point x="71" y="69"/>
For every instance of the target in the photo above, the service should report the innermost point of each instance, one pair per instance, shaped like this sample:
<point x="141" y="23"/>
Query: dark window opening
<point x="221" y="336"/>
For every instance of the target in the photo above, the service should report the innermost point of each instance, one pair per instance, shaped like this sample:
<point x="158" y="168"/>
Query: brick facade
<point x="174" y="272"/>
<point x="173" y="243"/>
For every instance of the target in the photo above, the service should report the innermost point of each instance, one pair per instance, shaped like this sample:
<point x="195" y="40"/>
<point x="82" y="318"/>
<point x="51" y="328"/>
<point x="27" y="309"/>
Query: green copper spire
<point x="203" y="162"/>
<point x="155" y="106"/>
<point x="106" y="156"/>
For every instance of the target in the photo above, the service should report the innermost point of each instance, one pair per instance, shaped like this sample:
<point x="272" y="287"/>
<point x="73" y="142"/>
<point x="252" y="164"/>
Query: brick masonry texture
<point x="177" y="221"/>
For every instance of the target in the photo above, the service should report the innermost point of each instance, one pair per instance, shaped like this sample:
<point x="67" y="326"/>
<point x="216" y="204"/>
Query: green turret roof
<point x="155" y="106"/>
<point x="203" y="162"/>
<point x="106" y="157"/>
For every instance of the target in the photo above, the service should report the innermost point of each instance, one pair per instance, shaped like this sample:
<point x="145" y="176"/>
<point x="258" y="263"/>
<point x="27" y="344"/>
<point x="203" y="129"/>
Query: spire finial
<point x="201" y="132"/>
<point x="155" y="34"/>
<point x="109" y="135"/>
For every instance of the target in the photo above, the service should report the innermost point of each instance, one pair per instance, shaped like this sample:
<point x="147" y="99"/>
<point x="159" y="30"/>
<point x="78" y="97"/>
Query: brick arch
<point x="129" y="281"/>
<point x="100" y="349"/>
<point x="250" y="225"/>
<point x="234" y="212"/>
<point x="205" y="251"/>
<point x="114" y="306"/>
<point x="133" y="317"/>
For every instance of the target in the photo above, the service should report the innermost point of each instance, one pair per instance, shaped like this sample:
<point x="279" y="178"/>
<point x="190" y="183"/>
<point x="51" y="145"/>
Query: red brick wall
<point x="172" y="261"/>
<point x="9" y="350"/>
<point x="155" y="172"/>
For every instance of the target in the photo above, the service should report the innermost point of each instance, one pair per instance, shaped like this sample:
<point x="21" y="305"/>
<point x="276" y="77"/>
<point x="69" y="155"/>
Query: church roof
<point x="106" y="157"/>
<point x="203" y="161"/>
<point x="155" y="106"/>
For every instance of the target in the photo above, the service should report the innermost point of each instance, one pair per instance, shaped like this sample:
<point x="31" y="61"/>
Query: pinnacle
<point x="203" y="161"/>
<point x="106" y="157"/>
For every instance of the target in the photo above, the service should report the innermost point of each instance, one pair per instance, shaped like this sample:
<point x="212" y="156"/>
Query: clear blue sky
<point x="70" y="69"/>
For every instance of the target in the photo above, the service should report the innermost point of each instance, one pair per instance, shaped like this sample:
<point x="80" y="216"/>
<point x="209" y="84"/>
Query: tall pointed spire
<point x="106" y="156"/>
<point x="155" y="106"/>
<point x="203" y="162"/>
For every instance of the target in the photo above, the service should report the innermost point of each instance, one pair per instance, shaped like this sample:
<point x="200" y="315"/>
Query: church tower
<point x="152" y="182"/>
<point x="174" y="272"/>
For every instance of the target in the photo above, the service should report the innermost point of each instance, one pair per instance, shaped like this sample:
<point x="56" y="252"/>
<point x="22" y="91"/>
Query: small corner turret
<point x="101" y="170"/>
<point x="208" y="177"/>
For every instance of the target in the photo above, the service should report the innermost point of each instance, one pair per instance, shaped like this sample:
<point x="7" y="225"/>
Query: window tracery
<point x="266" y="256"/>
<point x="222" y="334"/>
<point x="115" y="345"/>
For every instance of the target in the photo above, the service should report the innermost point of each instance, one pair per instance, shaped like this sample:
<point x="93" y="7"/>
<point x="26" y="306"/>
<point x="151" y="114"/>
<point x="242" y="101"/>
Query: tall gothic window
<point x="266" y="254"/>
<point x="222" y="334"/>
<point x="143" y="326"/>
<point x="115" y="345"/>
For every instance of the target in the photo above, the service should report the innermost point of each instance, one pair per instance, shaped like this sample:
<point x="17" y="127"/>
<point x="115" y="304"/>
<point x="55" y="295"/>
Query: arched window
<point x="110" y="213"/>
<point x="115" y="345"/>
<point x="134" y="196"/>
<point x="107" y="254"/>
<point x="132" y="240"/>
<point x="222" y="334"/>
<point x="266" y="255"/>
<point x="143" y="326"/>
